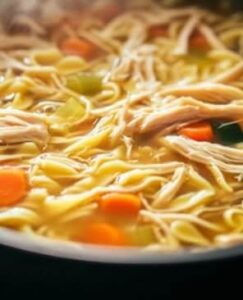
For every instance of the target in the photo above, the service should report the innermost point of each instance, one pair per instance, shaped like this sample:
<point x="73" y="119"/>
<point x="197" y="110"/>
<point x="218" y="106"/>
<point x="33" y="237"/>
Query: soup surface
<point x="121" y="125"/>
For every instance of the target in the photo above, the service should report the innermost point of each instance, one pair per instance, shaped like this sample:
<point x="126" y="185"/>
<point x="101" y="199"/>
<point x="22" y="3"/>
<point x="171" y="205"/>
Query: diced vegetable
<point x="13" y="186"/>
<point x="201" y="131"/>
<point x="227" y="133"/>
<point x="108" y="12"/>
<point x="72" y="110"/>
<point x="142" y="235"/>
<point x="120" y="204"/>
<point x="199" y="41"/>
<point x="86" y="84"/>
<point x="80" y="47"/>
<point x="158" y="31"/>
<point x="104" y="234"/>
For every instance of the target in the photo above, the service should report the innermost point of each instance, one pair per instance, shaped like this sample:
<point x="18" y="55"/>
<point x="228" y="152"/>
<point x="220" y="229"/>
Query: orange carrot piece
<point x="13" y="186"/>
<point x="103" y="234"/>
<point x="158" y="31"/>
<point x="120" y="204"/>
<point x="109" y="12"/>
<point x="199" y="41"/>
<point x="201" y="131"/>
<point x="79" y="47"/>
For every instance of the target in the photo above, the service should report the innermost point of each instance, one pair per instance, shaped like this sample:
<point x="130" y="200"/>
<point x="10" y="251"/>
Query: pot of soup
<point x="121" y="142"/>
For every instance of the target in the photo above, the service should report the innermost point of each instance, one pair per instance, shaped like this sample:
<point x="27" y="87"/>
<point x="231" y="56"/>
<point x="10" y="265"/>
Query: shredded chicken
<point x="229" y="160"/>
<point x="181" y="111"/>
<point x="206" y="91"/>
<point x="18" y="127"/>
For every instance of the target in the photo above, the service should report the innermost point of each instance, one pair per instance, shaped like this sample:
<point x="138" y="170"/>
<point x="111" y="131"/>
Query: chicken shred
<point x="19" y="126"/>
<point x="227" y="159"/>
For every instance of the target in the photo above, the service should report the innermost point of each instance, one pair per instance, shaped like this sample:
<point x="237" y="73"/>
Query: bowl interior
<point x="79" y="252"/>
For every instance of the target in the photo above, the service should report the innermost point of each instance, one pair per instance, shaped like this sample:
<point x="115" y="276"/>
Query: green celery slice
<point x="72" y="110"/>
<point x="85" y="84"/>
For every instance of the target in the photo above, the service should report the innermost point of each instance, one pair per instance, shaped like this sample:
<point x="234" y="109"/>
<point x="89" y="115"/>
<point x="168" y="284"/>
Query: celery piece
<point x="85" y="84"/>
<point x="72" y="110"/>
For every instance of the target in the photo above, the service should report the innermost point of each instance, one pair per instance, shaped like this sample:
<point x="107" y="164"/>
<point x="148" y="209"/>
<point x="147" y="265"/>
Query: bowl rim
<point x="37" y="245"/>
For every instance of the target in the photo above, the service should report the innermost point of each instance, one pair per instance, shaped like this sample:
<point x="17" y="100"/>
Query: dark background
<point x="22" y="273"/>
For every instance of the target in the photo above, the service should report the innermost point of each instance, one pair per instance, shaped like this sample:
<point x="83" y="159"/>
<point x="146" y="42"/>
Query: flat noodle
<point x="82" y="125"/>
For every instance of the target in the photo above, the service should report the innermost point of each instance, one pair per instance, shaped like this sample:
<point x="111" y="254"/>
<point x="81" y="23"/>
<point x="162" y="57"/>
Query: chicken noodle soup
<point x="121" y="125"/>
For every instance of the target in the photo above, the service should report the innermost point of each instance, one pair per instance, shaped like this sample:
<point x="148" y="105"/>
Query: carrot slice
<point x="80" y="47"/>
<point x="13" y="186"/>
<point x="201" y="131"/>
<point x="199" y="41"/>
<point x="120" y="204"/>
<point x="103" y="234"/>
<point x="158" y="31"/>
